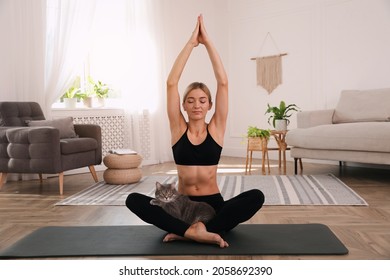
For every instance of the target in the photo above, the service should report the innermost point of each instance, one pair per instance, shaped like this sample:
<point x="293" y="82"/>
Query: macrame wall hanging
<point x="269" y="68"/>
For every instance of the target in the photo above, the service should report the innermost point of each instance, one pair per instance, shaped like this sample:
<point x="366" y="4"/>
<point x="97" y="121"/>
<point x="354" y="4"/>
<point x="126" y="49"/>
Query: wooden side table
<point x="280" y="137"/>
<point x="256" y="144"/>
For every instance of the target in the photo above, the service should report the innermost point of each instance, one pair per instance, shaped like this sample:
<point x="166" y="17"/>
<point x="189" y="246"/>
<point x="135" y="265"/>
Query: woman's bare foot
<point x="173" y="237"/>
<point x="199" y="233"/>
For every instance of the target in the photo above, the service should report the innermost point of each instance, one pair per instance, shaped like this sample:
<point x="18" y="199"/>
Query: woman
<point x="197" y="149"/>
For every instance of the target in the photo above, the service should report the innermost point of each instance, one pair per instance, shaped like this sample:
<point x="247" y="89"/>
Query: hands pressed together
<point x="199" y="35"/>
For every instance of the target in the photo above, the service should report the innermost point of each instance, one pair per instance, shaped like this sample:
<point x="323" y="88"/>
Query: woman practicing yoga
<point x="197" y="147"/>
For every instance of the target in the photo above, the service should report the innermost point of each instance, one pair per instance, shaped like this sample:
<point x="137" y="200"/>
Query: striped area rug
<point x="278" y="190"/>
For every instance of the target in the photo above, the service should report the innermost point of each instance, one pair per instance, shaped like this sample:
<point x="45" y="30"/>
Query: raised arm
<point x="176" y="118"/>
<point x="218" y="121"/>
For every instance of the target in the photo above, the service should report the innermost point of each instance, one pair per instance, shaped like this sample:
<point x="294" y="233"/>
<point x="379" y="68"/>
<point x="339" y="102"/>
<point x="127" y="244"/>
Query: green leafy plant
<point x="282" y="112"/>
<point x="92" y="89"/>
<point x="99" y="89"/>
<point x="87" y="92"/>
<point x="74" y="90"/>
<point x="254" y="131"/>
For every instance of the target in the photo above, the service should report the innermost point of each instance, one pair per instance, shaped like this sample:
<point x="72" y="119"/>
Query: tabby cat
<point x="181" y="206"/>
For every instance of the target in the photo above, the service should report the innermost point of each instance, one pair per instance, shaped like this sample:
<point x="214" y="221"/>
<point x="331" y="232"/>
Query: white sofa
<point x="357" y="130"/>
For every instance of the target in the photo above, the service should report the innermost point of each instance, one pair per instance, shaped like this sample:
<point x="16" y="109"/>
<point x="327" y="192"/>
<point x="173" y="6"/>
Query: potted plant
<point x="71" y="94"/>
<point x="100" y="90"/>
<point x="87" y="94"/>
<point x="279" y="115"/>
<point x="257" y="138"/>
<point x="86" y="98"/>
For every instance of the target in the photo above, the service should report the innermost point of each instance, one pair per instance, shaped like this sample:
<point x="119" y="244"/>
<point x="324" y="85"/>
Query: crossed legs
<point x="230" y="213"/>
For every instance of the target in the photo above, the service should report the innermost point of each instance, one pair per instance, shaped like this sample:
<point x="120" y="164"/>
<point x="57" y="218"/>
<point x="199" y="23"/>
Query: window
<point x="122" y="53"/>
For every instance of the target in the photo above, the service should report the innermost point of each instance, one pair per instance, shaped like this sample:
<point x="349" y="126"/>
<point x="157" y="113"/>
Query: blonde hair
<point x="197" y="85"/>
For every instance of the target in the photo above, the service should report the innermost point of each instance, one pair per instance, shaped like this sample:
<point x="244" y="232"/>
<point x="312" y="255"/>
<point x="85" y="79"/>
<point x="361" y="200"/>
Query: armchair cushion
<point x="77" y="145"/>
<point x="64" y="125"/>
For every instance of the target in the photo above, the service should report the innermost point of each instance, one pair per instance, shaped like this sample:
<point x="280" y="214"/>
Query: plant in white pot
<point x="100" y="91"/>
<point x="86" y="97"/>
<point x="71" y="95"/>
<point x="280" y="115"/>
<point x="88" y="93"/>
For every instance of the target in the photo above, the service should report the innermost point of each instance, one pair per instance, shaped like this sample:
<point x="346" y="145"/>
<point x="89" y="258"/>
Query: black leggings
<point x="230" y="213"/>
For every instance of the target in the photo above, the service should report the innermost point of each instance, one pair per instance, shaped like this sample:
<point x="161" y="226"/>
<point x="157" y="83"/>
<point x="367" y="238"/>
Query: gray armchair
<point x="30" y="144"/>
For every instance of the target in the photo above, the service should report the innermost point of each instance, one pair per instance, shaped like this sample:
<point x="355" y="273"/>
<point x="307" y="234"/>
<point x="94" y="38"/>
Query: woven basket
<point x="257" y="143"/>
<point x="122" y="176"/>
<point x="122" y="161"/>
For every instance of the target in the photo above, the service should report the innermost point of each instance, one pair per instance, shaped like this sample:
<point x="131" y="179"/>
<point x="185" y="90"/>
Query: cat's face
<point x="166" y="192"/>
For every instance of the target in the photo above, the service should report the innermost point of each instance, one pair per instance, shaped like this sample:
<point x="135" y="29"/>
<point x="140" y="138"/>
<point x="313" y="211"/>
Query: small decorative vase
<point x="281" y="125"/>
<point x="87" y="102"/>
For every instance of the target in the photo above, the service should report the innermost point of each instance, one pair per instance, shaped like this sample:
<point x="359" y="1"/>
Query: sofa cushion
<point x="77" y="145"/>
<point x="360" y="136"/>
<point x="363" y="106"/>
<point x="64" y="125"/>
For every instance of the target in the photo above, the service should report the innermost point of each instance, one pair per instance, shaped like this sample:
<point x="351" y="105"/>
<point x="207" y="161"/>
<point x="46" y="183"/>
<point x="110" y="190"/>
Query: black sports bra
<point x="206" y="153"/>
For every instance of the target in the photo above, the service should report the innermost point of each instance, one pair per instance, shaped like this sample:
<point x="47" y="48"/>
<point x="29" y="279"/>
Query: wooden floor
<point x="365" y="231"/>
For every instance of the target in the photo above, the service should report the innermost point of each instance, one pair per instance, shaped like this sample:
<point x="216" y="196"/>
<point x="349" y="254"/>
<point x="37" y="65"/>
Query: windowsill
<point x="84" y="108"/>
<point x="110" y="104"/>
<point x="61" y="111"/>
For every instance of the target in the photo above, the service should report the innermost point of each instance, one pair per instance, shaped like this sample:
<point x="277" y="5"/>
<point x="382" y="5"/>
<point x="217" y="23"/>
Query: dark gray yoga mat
<point x="146" y="240"/>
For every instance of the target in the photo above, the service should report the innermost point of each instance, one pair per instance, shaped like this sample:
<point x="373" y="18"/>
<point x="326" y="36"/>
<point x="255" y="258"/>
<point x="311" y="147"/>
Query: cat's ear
<point x="158" y="185"/>
<point x="173" y="185"/>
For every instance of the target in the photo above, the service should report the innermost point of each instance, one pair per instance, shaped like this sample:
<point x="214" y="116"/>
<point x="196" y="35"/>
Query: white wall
<point x="332" y="45"/>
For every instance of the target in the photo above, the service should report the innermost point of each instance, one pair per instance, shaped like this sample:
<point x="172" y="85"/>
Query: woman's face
<point x="197" y="104"/>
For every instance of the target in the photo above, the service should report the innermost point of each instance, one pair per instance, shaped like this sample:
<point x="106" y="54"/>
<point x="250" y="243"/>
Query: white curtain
<point x="143" y="88"/>
<point x="69" y="33"/>
<point x="22" y="50"/>
<point x="36" y="69"/>
<point x="146" y="29"/>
